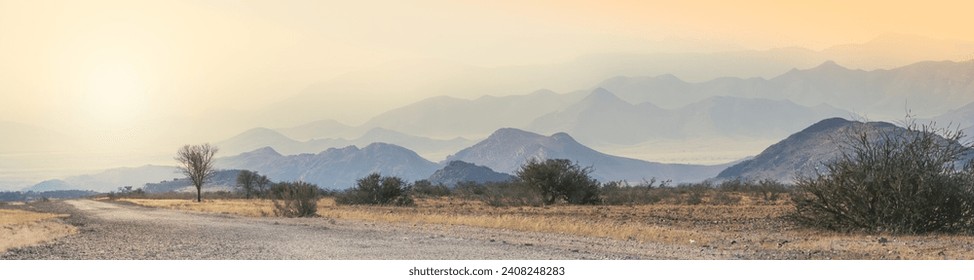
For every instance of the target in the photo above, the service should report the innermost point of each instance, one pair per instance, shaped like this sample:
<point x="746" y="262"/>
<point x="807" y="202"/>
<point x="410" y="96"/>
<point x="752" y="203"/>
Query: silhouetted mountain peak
<point x="507" y="149"/>
<point x="508" y="133"/>
<point x="668" y="78"/>
<point x="826" y="124"/>
<point x="829" y="64"/>
<point x="265" y="151"/>
<point x="563" y="138"/>
<point x="602" y="95"/>
<point x="459" y="171"/>
<point x="384" y="147"/>
<point x="804" y="153"/>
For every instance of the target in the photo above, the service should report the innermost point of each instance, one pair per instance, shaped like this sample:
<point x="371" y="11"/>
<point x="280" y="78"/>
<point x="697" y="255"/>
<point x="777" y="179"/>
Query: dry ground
<point x="731" y="231"/>
<point x="110" y="230"/>
<point x="20" y="228"/>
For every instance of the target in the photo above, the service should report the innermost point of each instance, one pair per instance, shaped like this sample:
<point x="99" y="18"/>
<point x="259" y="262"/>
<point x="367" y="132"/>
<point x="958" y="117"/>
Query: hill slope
<point x="458" y="171"/>
<point x="806" y="152"/>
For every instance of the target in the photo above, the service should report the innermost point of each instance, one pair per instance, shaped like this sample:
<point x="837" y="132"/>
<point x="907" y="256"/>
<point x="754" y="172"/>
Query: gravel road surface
<point x="120" y="231"/>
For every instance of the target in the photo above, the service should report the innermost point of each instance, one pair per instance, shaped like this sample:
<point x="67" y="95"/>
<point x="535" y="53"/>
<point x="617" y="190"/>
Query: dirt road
<point x="120" y="231"/>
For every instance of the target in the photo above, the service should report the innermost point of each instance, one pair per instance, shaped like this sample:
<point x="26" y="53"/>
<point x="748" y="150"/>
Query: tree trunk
<point x="199" y="198"/>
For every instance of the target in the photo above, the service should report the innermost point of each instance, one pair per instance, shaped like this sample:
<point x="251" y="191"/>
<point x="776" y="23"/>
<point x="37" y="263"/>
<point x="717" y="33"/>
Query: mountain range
<point x="507" y="149"/>
<point x="927" y="88"/>
<point x="110" y="180"/>
<point x="263" y="137"/>
<point x="624" y="104"/>
<point x="962" y="117"/>
<point x="414" y="79"/>
<point x="450" y="117"/>
<point x="492" y="159"/>
<point x="334" y="168"/>
<point x="718" y="116"/>
<point x="504" y="151"/>
<point x="645" y="108"/>
<point x="805" y="153"/>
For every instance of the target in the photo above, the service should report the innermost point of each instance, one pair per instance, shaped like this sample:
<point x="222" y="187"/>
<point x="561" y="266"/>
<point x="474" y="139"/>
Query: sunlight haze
<point x="130" y="81"/>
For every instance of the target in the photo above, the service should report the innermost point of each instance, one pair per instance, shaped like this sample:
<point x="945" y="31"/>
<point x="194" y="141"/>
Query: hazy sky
<point x="115" y="65"/>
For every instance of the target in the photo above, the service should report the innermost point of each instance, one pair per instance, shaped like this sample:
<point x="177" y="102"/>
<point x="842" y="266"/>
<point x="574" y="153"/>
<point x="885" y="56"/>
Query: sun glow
<point x="115" y="94"/>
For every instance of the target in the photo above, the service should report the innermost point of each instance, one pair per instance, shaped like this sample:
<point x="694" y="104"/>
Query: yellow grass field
<point x="757" y="229"/>
<point x="21" y="228"/>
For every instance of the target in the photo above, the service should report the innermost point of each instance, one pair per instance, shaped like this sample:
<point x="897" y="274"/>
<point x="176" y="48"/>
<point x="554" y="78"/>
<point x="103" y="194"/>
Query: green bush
<point x="378" y="190"/>
<point x="892" y="180"/>
<point x="560" y="180"/>
<point x="295" y="199"/>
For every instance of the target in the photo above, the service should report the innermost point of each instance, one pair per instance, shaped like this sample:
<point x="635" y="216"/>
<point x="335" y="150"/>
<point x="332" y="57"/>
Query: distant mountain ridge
<point x="925" y="87"/>
<point x="110" y="180"/>
<point x="634" y="111"/>
<point x="687" y="60"/>
<point x="450" y="117"/>
<point x="721" y="116"/>
<point x="263" y="137"/>
<point x="507" y="149"/>
<point x="961" y="117"/>
<point x="335" y="168"/>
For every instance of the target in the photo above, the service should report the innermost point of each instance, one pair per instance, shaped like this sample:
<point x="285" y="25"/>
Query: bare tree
<point x="252" y="184"/>
<point x="196" y="161"/>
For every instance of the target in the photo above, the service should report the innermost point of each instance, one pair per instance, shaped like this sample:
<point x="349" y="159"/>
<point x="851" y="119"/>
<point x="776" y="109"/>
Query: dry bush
<point x="377" y="190"/>
<point x="887" y="180"/>
<point x="428" y="189"/>
<point x="621" y="193"/>
<point x="511" y="194"/>
<point x="295" y="199"/>
<point x="499" y="194"/>
<point x="768" y="191"/>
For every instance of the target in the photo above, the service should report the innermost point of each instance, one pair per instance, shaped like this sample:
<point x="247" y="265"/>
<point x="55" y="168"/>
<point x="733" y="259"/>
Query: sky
<point x="114" y="69"/>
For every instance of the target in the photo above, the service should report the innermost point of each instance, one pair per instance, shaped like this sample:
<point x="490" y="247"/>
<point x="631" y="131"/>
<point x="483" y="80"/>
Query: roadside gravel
<point x="121" y="231"/>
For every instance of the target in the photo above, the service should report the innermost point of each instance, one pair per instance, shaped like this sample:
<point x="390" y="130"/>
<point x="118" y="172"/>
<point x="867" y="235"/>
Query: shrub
<point x="470" y="189"/>
<point x="766" y="190"/>
<point x="694" y="194"/>
<point x="511" y="194"/>
<point x="295" y="199"/>
<point x="892" y="180"/>
<point x="725" y="198"/>
<point x="499" y="193"/>
<point x="769" y="190"/>
<point x="621" y="193"/>
<point x="560" y="179"/>
<point x="378" y="190"/>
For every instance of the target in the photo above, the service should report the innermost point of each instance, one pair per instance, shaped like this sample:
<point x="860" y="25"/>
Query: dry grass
<point x="21" y="228"/>
<point x="244" y="207"/>
<point x="750" y="231"/>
